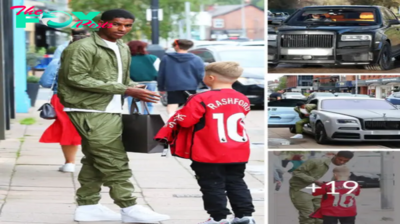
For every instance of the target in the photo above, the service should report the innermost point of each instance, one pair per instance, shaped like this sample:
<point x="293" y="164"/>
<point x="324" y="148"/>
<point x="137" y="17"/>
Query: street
<point x="32" y="191"/>
<point x="279" y="138"/>
<point x="294" y="68"/>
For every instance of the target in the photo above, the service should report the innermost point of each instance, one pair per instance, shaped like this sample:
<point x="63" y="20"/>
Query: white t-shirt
<point x="115" y="105"/>
<point x="304" y="111"/>
<point x="328" y="176"/>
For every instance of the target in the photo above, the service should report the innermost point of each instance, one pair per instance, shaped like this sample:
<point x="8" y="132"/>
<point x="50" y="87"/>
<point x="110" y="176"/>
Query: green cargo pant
<point x="105" y="161"/>
<point x="306" y="204"/>
<point x="300" y="124"/>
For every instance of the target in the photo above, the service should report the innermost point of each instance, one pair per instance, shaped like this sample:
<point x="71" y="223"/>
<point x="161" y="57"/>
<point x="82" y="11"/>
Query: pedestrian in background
<point x="143" y="70"/>
<point x="62" y="131"/>
<point x="179" y="72"/>
<point x="93" y="77"/>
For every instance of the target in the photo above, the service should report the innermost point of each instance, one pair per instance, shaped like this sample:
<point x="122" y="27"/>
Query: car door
<point x="313" y="115"/>
<point x="282" y="113"/>
<point x="392" y="31"/>
<point x="206" y="55"/>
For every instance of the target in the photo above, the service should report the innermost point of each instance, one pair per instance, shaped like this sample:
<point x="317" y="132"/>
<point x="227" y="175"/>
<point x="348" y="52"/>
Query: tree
<point x="282" y="83"/>
<point x="142" y="27"/>
<point x="385" y="3"/>
<point x="282" y="5"/>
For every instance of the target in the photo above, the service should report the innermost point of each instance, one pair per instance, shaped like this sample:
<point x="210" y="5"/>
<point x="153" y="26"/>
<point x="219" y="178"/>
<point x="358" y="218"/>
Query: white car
<point x="293" y="95"/>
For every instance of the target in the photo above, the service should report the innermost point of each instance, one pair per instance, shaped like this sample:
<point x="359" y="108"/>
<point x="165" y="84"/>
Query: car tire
<point x="272" y="65"/>
<point x="292" y="129"/>
<point x="385" y="60"/>
<point x="320" y="134"/>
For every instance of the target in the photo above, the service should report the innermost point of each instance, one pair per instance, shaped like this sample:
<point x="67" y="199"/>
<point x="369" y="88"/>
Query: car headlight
<point x="250" y="81"/>
<point x="272" y="36"/>
<point x="346" y="121"/>
<point x="357" y="37"/>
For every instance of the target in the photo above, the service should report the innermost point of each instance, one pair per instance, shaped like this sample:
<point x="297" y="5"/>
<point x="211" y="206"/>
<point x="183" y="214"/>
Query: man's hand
<point x="162" y="92"/>
<point x="143" y="95"/>
<point x="141" y="86"/>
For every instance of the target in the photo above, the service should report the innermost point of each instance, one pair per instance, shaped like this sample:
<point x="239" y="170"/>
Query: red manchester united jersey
<point x="338" y="198"/>
<point x="219" y="134"/>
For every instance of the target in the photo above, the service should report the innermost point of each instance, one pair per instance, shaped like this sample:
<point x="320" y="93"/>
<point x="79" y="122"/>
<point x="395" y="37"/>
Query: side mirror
<point x="394" y="22"/>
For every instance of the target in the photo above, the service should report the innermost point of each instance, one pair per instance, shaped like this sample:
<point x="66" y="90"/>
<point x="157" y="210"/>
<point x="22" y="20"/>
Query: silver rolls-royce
<point x="353" y="119"/>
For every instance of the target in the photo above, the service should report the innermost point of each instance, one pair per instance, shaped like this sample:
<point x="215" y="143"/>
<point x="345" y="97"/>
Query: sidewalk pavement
<point x="32" y="191"/>
<point x="368" y="208"/>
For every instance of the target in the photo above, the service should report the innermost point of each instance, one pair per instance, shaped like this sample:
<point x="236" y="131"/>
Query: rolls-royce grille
<point x="382" y="125"/>
<point x="307" y="40"/>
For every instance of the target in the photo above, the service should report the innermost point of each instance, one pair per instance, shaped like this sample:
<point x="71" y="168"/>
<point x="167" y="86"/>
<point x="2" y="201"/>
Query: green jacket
<point x="309" y="172"/>
<point x="309" y="108"/>
<point x="88" y="75"/>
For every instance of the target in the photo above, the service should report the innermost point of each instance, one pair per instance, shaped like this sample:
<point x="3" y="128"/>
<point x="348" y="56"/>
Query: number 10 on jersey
<point x="231" y="127"/>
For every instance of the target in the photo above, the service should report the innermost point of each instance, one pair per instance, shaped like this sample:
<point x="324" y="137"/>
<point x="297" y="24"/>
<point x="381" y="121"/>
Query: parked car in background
<point x="337" y="35"/>
<point x="198" y="44"/>
<point x="353" y="119"/>
<point x="319" y="94"/>
<point x="394" y="99"/>
<point x="342" y="94"/>
<point x="279" y="17"/>
<point x="365" y="169"/>
<point x="281" y="114"/>
<point x="361" y="95"/>
<point x="293" y="95"/>
<point x="237" y="39"/>
<point x="251" y="59"/>
<point x="253" y="43"/>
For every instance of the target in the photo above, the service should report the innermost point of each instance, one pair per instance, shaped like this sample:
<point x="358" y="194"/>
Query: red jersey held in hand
<point x="338" y="199"/>
<point x="217" y="118"/>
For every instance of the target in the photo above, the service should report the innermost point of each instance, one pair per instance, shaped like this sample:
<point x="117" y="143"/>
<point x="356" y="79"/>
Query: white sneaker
<point x="212" y="221"/>
<point x="95" y="213"/>
<point x="244" y="220"/>
<point x="141" y="214"/>
<point x="67" y="168"/>
<point x="298" y="136"/>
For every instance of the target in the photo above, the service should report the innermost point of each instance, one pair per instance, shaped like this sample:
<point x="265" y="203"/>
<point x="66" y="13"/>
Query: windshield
<point x="291" y="93"/>
<point x="356" y="104"/>
<point x="335" y="17"/>
<point x="248" y="58"/>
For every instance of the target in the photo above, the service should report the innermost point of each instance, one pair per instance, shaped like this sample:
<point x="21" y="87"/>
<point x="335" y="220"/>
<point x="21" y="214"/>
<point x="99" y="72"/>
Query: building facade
<point x="301" y="83"/>
<point x="227" y="21"/>
<point x="379" y="86"/>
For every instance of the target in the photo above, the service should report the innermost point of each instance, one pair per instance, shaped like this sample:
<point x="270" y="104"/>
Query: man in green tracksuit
<point x="313" y="172"/>
<point x="304" y="111"/>
<point x="92" y="81"/>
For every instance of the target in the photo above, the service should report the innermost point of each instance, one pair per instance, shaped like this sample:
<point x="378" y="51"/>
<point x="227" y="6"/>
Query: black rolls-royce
<point x="337" y="35"/>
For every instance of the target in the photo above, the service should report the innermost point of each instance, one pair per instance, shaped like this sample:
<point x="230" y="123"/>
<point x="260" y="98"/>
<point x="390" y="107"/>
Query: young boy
<point x="179" y="72"/>
<point x="218" y="144"/>
<point x="338" y="203"/>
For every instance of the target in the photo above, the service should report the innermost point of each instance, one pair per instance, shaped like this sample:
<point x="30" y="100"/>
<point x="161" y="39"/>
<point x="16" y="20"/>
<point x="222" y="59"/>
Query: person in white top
<point x="307" y="177"/>
<point x="93" y="78"/>
<point x="304" y="111"/>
